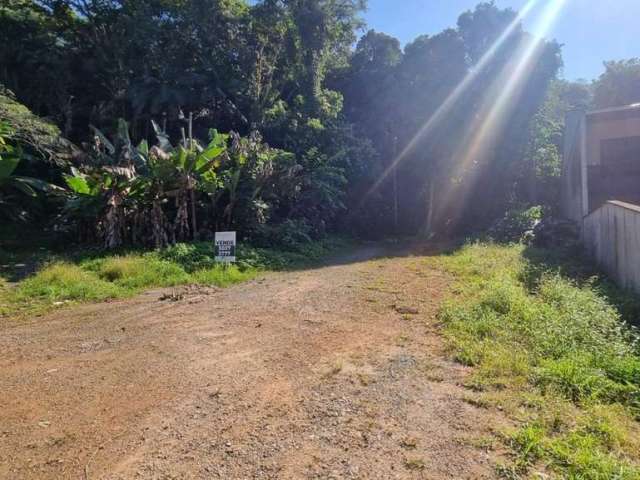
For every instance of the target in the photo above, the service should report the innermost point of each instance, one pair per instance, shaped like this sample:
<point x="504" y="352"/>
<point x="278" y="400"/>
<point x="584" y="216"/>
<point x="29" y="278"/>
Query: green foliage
<point x="594" y="449"/>
<point x="97" y="276"/>
<point x="61" y="282"/>
<point x="222" y="276"/>
<point x="345" y="135"/>
<point x="335" y="117"/>
<point x="193" y="257"/>
<point x="139" y="271"/>
<point x="412" y="106"/>
<point x="157" y="196"/>
<point x="619" y="85"/>
<point x="16" y="191"/>
<point x="34" y="135"/>
<point x="527" y="329"/>
<point x="516" y="225"/>
<point x="542" y="163"/>
<point x="245" y="68"/>
<point x="190" y="256"/>
<point x="8" y="154"/>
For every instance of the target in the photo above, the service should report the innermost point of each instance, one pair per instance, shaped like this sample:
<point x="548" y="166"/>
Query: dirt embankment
<point x="332" y="373"/>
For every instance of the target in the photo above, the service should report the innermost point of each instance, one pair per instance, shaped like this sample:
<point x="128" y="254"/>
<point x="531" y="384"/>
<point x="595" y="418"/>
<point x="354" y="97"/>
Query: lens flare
<point x="501" y="100"/>
<point x="455" y="95"/>
<point x="512" y="86"/>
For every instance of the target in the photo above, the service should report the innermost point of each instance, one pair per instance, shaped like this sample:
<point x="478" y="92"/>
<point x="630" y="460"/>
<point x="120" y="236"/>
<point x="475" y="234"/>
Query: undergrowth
<point x="550" y="345"/>
<point x="97" y="276"/>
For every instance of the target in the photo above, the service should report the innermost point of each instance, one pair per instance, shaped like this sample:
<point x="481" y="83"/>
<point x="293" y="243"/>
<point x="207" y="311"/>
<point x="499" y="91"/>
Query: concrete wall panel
<point x="611" y="235"/>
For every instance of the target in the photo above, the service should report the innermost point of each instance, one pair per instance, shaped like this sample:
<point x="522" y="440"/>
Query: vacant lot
<point x="337" y="372"/>
<point x="491" y="362"/>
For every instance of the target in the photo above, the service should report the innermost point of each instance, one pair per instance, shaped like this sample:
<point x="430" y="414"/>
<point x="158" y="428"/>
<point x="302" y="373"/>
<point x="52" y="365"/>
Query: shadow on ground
<point x="402" y="248"/>
<point x="575" y="265"/>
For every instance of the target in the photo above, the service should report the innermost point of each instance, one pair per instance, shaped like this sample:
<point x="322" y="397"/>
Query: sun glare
<point x="502" y="99"/>
<point x="456" y="94"/>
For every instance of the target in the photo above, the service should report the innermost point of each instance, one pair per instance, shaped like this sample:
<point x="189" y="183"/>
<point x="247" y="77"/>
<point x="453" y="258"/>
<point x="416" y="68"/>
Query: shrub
<point x="516" y="225"/>
<point x="290" y="234"/>
<point x="190" y="256"/>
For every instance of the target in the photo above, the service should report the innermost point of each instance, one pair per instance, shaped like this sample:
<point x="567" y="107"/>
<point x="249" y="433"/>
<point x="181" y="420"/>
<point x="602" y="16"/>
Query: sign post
<point x="225" y="247"/>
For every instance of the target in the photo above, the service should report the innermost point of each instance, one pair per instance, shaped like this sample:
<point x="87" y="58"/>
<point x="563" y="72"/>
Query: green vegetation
<point x="96" y="277"/>
<point x="128" y="195"/>
<point x="16" y="192"/>
<point x="550" y="346"/>
<point x="325" y="131"/>
<point x="314" y="115"/>
<point x="37" y="136"/>
<point x="619" y="85"/>
<point x="311" y="122"/>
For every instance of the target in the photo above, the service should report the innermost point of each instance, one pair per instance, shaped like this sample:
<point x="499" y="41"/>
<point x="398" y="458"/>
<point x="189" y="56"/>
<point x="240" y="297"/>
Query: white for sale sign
<point x="225" y="247"/>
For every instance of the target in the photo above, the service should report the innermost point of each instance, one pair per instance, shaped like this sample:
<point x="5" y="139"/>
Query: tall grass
<point x="102" y="276"/>
<point x="64" y="281"/>
<point x="536" y="333"/>
<point x="61" y="282"/>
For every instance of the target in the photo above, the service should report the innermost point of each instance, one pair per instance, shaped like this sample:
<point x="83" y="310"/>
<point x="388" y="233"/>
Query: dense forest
<point x="149" y="122"/>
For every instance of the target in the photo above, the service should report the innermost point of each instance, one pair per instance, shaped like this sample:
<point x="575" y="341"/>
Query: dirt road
<point x="332" y="373"/>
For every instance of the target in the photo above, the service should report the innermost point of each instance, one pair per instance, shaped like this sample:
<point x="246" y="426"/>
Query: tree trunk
<point x="395" y="201"/>
<point x="428" y="228"/>
<point x="395" y="187"/>
<point x="194" y="223"/>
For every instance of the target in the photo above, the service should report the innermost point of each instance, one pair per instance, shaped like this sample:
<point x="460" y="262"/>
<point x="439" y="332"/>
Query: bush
<point x="190" y="256"/>
<point x="517" y="224"/>
<point x="288" y="235"/>
<point x="557" y="233"/>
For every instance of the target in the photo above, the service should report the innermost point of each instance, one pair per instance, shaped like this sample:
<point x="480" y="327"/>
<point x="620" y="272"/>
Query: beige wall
<point x="611" y="235"/>
<point x="585" y="184"/>
<point x="603" y="127"/>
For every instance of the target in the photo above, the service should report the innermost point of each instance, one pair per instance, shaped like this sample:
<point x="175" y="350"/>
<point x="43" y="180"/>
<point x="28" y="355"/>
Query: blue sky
<point x="591" y="30"/>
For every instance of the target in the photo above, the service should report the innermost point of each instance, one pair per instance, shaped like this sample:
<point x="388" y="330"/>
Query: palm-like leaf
<point x="8" y="164"/>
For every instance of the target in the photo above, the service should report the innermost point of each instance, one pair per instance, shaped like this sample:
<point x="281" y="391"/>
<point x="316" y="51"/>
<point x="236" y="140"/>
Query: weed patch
<point x="136" y="271"/>
<point x="553" y="343"/>
<point x="98" y="276"/>
<point x="55" y="284"/>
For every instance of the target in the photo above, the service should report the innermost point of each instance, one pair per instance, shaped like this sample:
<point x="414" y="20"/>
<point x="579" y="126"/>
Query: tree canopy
<point x="328" y="126"/>
<point x="619" y="85"/>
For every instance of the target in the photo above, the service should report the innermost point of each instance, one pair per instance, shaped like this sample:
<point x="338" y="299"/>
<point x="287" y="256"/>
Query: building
<point x="602" y="160"/>
<point x="601" y="187"/>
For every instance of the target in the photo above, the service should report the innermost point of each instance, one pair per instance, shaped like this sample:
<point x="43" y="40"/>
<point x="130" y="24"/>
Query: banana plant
<point x="254" y="177"/>
<point x="102" y="195"/>
<point x="154" y="194"/>
<point x="102" y="188"/>
<point x="183" y="170"/>
<point x="16" y="190"/>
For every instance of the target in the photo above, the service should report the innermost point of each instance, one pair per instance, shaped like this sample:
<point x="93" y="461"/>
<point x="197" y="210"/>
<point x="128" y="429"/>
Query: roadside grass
<point x="551" y="347"/>
<point x="90" y="276"/>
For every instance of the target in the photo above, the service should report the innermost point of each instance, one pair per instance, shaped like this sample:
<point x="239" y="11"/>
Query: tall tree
<point x="619" y="85"/>
<point x="34" y="60"/>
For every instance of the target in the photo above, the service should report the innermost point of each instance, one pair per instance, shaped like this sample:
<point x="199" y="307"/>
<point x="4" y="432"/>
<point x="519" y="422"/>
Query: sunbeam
<point x="455" y="95"/>
<point x="501" y="100"/>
